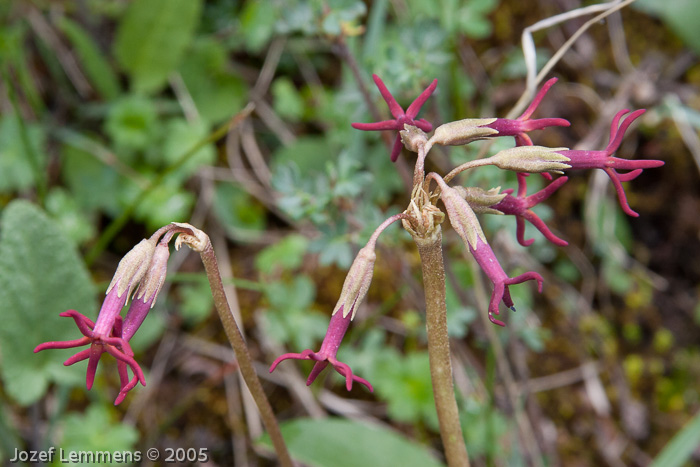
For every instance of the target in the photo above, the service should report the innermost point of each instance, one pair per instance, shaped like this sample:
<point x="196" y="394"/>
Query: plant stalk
<point x="430" y="250"/>
<point x="245" y="362"/>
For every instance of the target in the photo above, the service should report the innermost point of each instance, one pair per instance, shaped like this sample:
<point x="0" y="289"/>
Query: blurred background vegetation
<point x="115" y="118"/>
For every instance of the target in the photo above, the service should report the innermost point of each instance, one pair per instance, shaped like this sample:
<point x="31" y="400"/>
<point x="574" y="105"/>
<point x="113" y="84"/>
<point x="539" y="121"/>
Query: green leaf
<point x="681" y="16"/>
<point x="681" y="447"/>
<point x="152" y="38"/>
<point x="97" y="430"/>
<point x="241" y="216"/>
<point x="93" y="184"/>
<point x="65" y="210"/>
<point x="16" y="172"/>
<point x="131" y="125"/>
<point x="216" y="91"/>
<point x="285" y="255"/>
<point x="287" y="102"/>
<point x="41" y="275"/>
<point x="97" y="68"/>
<point x="349" y="443"/>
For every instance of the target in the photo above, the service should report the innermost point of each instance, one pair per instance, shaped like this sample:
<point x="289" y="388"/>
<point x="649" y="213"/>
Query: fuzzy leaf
<point x="41" y="275"/>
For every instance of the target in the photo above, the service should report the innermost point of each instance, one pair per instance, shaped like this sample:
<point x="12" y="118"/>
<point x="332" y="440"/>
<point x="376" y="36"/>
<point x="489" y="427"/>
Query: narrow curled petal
<point x="327" y="354"/>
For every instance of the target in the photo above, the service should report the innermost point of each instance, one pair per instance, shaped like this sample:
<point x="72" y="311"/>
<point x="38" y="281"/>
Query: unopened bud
<point x="462" y="216"/>
<point x="481" y="200"/>
<point x="463" y="131"/>
<point x="413" y="138"/>
<point x="155" y="277"/>
<point x="132" y="267"/>
<point x="357" y="282"/>
<point x="531" y="159"/>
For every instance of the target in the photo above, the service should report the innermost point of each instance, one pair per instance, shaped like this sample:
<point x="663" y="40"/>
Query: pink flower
<point x="400" y="117"/>
<point x="604" y="159"/>
<point x="519" y="127"/>
<point x="488" y="262"/>
<point x="144" y="266"/>
<point x="327" y="353"/>
<point x="519" y="206"/>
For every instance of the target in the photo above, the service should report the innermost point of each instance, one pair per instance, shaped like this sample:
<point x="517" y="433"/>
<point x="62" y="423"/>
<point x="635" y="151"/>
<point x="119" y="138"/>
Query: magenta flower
<point x="105" y="335"/>
<point x="519" y="127"/>
<point x="400" y="117"/>
<point x="519" y="206"/>
<point x="488" y="262"/>
<point x="329" y="349"/>
<point x="604" y="159"/>
<point x="144" y="266"/>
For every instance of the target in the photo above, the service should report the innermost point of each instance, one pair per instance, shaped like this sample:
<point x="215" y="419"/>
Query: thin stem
<point x="466" y="166"/>
<point x="245" y="362"/>
<point x="430" y="250"/>
<point x="419" y="169"/>
<point x="378" y="231"/>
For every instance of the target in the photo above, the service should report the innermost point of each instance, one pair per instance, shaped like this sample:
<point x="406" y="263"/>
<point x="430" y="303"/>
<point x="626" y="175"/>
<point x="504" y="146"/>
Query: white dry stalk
<point x="530" y="53"/>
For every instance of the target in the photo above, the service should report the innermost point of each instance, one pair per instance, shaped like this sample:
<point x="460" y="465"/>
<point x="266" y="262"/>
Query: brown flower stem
<point x="245" y="362"/>
<point x="430" y="250"/>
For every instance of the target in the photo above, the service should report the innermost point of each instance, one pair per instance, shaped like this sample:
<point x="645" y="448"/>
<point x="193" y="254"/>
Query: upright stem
<point x="245" y="362"/>
<point x="430" y="250"/>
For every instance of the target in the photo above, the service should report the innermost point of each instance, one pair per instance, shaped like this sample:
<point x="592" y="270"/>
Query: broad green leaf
<point x="348" y="443"/>
<point x="41" y="275"/>
<point x="217" y="93"/>
<point x="16" y="172"/>
<point x="98" y="430"/>
<point x="681" y="447"/>
<point x="97" y="68"/>
<point x="152" y="38"/>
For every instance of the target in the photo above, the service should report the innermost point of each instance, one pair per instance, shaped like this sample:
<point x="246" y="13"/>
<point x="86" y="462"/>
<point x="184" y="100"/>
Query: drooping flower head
<point x="327" y="353"/>
<point x="143" y="267"/>
<point x="584" y="159"/>
<point x="465" y="223"/>
<point x="401" y="118"/>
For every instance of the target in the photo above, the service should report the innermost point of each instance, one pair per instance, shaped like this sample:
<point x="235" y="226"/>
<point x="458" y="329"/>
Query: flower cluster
<point x="139" y="277"/>
<point x="462" y="204"/>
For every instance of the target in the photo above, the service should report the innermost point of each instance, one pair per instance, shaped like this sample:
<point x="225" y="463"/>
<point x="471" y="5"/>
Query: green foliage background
<point x="115" y="118"/>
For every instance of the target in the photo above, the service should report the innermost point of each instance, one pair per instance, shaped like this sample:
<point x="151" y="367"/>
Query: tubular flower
<point x="327" y="353"/>
<point x="465" y="131"/>
<point x="488" y="262"/>
<point x="519" y="127"/>
<point x="144" y="266"/>
<point x="401" y="118"/>
<point x="519" y="206"/>
<point x="604" y="159"/>
<point x="467" y="226"/>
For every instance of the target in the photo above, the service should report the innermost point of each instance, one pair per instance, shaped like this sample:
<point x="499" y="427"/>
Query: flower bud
<point x="413" y="137"/>
<point x="481" y="200"/>
<point x="155" y="277"/>
<point x="357" y="282"/>
<point x="461" y="216"/>
<point x="133" y="267"/>
<point x="531" y="159"/>
<point x="463" y="131"/>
